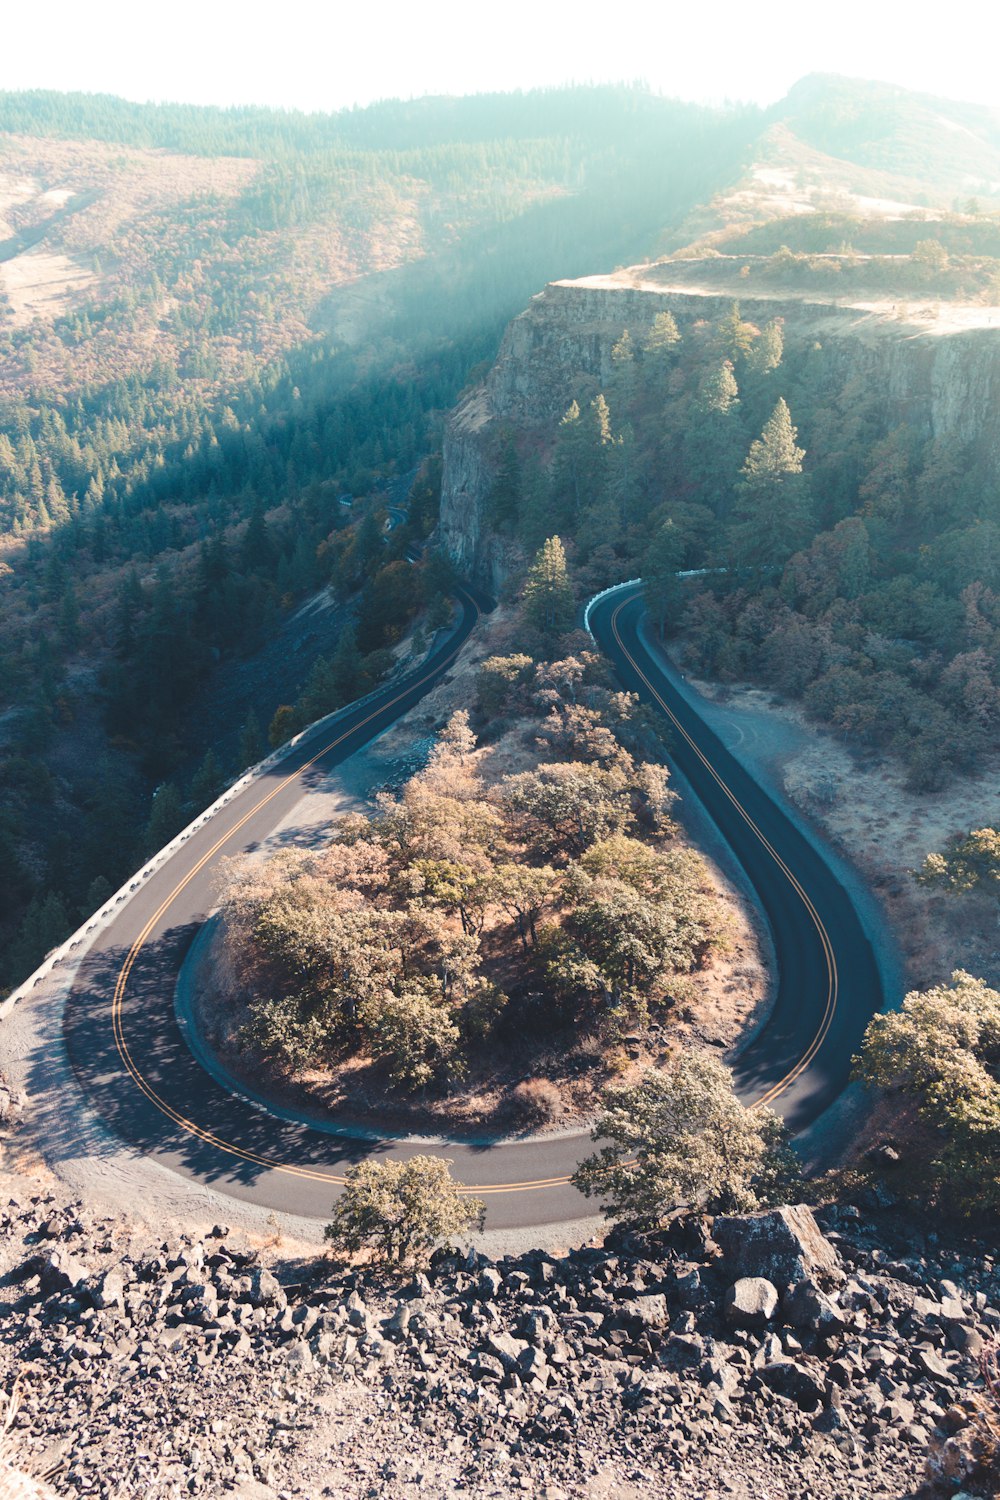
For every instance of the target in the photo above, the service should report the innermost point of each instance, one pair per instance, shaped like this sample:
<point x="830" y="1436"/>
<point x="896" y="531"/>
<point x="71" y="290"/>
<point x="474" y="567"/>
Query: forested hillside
<point x="218" y="326"/>
<point x="214" y="326"/>
<point x="853" y="553"/>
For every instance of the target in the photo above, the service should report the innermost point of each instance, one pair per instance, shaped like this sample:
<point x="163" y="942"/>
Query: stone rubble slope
<point x="783" y="1354"/>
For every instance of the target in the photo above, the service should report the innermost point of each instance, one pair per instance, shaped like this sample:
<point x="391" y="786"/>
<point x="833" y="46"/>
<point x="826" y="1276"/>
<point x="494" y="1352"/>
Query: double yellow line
<point x="814" y="916"/>
<point x="191" y="1127"/>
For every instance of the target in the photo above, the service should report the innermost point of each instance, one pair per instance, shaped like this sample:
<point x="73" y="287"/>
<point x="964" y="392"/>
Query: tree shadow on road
<point x="151" y="1093"/>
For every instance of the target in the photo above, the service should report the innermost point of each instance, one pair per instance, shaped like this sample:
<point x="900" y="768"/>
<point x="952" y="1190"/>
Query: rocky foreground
<point x="773" y="1355"/>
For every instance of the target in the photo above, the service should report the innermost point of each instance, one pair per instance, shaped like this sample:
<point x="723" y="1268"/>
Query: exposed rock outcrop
<point x="190" y="1367"/>
<point x="936" y="368"/>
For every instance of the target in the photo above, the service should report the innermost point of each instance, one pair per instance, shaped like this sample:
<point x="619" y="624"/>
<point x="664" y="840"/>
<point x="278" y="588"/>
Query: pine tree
<point x="548" y="593"/>
<point x="569" y="467"/>
<point x="623" y="362"/>
<point x="282" y="726"/>
<point x="369" y="546"/>
<point x="44" y="926"/>
<point x="347" y="668"/>
<point x="718" y="392"/>
<point x="714" y="438"/>
<point x="602" y="420"/>
<point x="662" y="339"/>
<point x="166" y="817"/>
<point x="772" y="506"/>
<point x="765" y="356"/>
<point x="733" y="336"/>
<point x="257" y="551"/>
<point x="206" y="781"/>
<point x="317" y="696"/>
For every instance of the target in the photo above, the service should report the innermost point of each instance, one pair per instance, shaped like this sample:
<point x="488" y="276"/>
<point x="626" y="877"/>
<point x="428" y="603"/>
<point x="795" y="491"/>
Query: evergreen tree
<point x="772" y="506"/>
<point x="317" y="697"/>
<point x="548" y="593"/>
<point x="505" y="495"/>
<point x="602" y="421"/>
<point x="206" y="782"/>
<point x="43" y="927"/>
<point x="661" y="341"/>
<point x="369" y="546"/>
<point x="347" y="669"/>
<point x="166" y="817"/>
<point x="623" y="364"/>
<point x="766" y="354"/>
<point x="535" y="520"/>
<point x="734" y="337"/>
<point x="714" y="438"/>
<point x="622" y="475"/>
<point x="283" y="725"/>
<point x="718" y="392"/>
<point x="568" y="468"/>
<point x="257" y="551"/>
<point x="98" y="892"/>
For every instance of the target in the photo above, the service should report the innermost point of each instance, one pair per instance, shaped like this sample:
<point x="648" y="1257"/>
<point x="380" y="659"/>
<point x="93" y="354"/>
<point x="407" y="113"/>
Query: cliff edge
<point x="935" y="364"/>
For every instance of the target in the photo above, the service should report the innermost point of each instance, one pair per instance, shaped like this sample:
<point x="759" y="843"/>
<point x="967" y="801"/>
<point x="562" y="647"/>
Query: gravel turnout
<point x="782" y="1354"/>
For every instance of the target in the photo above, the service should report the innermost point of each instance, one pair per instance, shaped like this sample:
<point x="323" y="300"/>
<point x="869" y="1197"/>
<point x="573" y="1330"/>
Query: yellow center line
<point x="209" y="1137"/>
<point x="828" y="953"/>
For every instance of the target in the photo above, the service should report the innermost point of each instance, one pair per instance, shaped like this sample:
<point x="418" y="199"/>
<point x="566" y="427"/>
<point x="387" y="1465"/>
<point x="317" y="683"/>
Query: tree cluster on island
<point x="473" y="909"/>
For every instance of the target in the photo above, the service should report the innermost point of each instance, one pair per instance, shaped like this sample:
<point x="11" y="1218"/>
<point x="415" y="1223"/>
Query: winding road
<point x="131" y="1060"/>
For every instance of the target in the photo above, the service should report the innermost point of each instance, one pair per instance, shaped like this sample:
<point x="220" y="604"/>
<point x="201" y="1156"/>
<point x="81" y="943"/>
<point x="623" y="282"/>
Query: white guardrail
<point x="634" y="583"/>
<point x="125" y="893"/>
<point x="605" y="594"/>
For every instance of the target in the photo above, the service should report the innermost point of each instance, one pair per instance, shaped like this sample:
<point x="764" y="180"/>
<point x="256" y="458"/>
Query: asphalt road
<point x="829" y="985"/>
<point x="128" y="1053"/>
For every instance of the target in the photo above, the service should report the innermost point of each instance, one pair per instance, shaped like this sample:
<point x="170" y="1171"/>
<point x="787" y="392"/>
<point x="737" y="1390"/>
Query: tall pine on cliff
<point x="772" y="496"/>
<point x="548" y="593"/>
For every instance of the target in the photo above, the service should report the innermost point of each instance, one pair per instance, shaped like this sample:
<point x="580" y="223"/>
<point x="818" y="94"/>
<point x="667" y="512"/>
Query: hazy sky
<point x="327" y="55"/>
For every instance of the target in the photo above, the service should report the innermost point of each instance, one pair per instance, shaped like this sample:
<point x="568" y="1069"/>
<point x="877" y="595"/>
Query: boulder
<point x="685" y="1349"/>
<point x="933" y="1365"/>
<point x="506" y="1348"/>
<point x="265" y="1289"/>
<point x="966" y="1340"/>
<point x="489" y="1283"/>
<point x="751" y="1302"/>
<point x="398" y="1322"/>
<point x="111" y="1289"/>
<point x="487" y="1367"/>
<point x="784" y="1245"/>
<point x="806" y="1306"/>
<point x="60" y="1272"/>
<point x="795" y="1382"/>
<point x="649" y="1310"/>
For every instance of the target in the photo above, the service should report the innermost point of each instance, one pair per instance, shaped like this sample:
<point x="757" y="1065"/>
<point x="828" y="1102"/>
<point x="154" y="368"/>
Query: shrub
<point x="681" y="1139"/>
<point x="535" y="1102"/>
<point x="401" y="1210"/>
<point x="940" y="1050"/>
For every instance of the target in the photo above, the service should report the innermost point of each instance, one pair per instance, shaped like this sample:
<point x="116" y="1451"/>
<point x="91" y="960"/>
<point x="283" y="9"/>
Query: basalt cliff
<point x="936" y="367"/>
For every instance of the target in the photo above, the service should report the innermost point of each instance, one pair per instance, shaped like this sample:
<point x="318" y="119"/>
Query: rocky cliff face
<point x="937" y="367"/>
